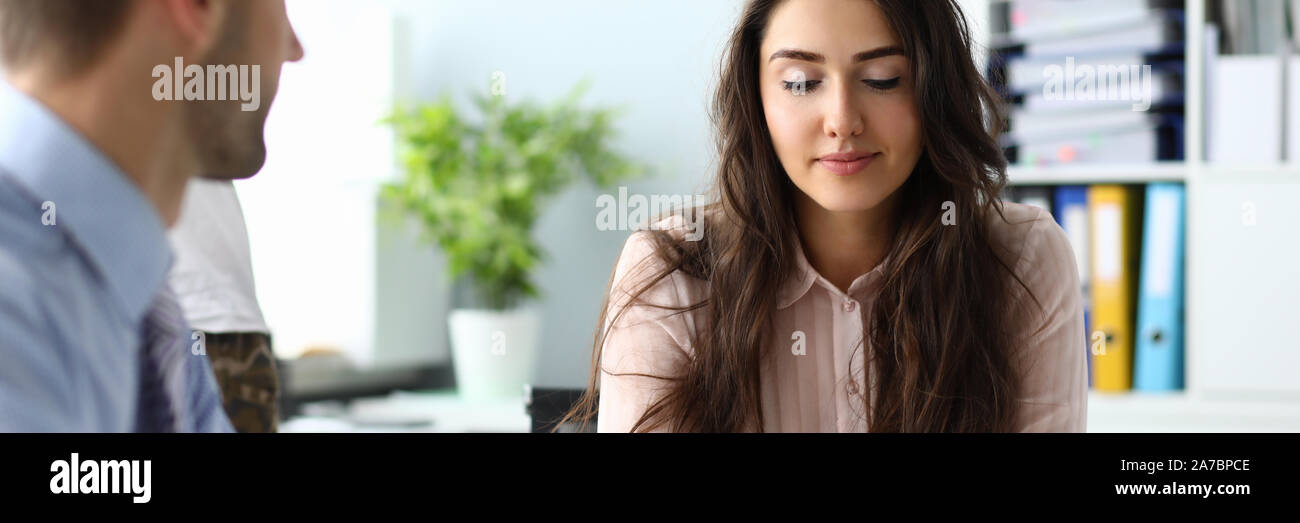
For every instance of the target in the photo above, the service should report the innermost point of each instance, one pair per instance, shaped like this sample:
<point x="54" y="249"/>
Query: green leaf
<point x="477" y="190"/>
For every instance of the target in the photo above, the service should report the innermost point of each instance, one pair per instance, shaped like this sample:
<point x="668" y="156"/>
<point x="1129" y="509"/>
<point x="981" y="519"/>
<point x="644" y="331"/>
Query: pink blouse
<point x="812" y="378"/>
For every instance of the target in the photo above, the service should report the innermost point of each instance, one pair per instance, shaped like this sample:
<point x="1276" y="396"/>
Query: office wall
<point x="310" y="211"/>
<point x="656" y="59"/>
<point x="380" y="296"/>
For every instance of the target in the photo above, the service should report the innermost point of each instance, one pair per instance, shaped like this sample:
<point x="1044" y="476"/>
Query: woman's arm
<point x="1052" y="343"/>
<point x="643" y="345"/>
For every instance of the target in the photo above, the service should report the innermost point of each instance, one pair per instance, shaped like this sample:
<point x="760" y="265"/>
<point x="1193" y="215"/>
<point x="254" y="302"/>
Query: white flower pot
<point x="493" y="351"/>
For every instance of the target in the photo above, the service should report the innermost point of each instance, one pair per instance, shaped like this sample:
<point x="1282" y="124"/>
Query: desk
<point x="425" y="411"/>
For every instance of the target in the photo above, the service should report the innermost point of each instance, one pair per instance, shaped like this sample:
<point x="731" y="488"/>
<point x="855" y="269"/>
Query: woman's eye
<point x="801" y="87"/>
<point x="883" y="85"/>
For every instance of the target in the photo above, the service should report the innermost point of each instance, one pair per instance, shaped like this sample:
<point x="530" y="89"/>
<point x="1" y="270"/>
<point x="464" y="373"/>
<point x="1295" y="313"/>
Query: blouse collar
<point x="804" y="276"/>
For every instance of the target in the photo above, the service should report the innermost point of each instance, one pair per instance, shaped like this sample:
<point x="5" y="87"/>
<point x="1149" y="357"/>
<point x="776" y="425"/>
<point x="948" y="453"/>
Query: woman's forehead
<point x="836" y="29"/>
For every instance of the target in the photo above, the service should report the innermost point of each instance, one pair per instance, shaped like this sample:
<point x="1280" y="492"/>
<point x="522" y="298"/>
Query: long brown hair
<point x="939" y="329"/>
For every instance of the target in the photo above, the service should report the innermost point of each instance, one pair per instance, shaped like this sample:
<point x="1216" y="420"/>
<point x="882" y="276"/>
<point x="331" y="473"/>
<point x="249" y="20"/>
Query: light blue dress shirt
<point x="82" y="255"/>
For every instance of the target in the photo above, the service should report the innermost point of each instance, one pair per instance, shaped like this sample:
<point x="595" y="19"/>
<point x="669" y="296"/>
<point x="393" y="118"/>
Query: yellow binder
<point x="1114" y="227"/>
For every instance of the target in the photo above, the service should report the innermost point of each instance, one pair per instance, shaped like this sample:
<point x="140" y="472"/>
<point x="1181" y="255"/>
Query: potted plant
<point x="477" y="188"/>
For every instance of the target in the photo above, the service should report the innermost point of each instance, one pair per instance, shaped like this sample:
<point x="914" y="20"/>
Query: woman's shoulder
<point x="1039" y="252"/>
<point x="649" y="298"/>
<point x="1030" y="236"/>
<point x="1046" y="319"/>
<point x="644" y="245"/>
<point x="645" y="258"/>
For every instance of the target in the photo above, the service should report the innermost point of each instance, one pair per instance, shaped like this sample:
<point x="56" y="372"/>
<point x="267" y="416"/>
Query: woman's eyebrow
<point x="809" y="56"/>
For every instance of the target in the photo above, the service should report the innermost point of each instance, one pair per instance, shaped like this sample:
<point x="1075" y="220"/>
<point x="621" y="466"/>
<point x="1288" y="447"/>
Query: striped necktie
<point x="178" y="391"/>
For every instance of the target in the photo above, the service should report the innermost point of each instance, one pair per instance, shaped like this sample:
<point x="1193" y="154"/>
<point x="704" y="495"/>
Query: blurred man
<point x="213" y="277"/>
<point x="107" y="110"/>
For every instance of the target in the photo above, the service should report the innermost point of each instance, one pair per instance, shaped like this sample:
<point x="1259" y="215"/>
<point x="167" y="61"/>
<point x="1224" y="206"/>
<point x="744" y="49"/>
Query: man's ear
<point x="197" y="22"/>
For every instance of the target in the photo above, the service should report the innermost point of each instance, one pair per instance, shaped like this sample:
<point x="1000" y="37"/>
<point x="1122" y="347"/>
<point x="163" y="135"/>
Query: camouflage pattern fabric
<point x="245" y="370"/>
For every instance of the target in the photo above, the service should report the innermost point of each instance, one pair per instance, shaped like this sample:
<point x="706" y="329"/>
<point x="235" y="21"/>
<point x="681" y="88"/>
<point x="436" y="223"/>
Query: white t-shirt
<point x="213" y="274"/>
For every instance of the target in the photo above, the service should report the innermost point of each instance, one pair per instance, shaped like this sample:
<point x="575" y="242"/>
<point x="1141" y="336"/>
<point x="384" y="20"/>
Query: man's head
<point x="67" y="40"/>
<point x="67" y="34"/>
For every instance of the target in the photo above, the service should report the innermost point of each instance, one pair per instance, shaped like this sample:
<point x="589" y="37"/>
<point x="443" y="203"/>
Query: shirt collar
<point x="804" y="276"/>
<point x="95" y="204"/>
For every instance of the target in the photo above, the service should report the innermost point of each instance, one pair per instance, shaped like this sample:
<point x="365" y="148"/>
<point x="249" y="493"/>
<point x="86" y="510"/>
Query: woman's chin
<point x="848" y="201"/>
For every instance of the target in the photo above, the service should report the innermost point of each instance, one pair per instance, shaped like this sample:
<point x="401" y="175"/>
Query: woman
<point x="857" y="272"/>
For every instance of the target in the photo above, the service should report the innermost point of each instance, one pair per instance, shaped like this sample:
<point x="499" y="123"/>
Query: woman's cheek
<point x="899" y="127"/>
<point x="785" y="125"/>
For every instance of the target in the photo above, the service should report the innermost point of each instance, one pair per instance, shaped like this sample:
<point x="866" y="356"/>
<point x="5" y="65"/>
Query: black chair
<point x="546" y="406"/>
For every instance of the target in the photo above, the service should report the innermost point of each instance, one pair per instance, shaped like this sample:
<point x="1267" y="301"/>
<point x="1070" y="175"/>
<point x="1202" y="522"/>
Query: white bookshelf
<point x="1190" y="412"/>
<point x="1087" y="174"/>
<point x="1264" y="172"/>
<point x="1242" y="316"/>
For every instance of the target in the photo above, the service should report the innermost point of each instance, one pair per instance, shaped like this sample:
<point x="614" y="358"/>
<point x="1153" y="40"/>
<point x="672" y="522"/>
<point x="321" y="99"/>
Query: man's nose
<point x="295" y="47"/>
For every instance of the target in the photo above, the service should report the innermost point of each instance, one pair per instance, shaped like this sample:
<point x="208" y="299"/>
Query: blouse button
<point x="850" y="305"/>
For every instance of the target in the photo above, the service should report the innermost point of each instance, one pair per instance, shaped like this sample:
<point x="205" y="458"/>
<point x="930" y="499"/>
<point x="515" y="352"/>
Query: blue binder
<point x="1071" y="204"/>
<point x="1158" y="361"/>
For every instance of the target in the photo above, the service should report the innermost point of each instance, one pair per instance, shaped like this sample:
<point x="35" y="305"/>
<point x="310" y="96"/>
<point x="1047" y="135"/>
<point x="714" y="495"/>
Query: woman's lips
<point x="845" y="165"/>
